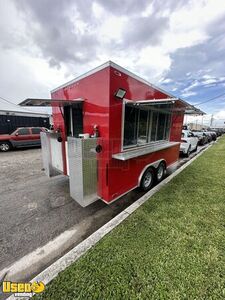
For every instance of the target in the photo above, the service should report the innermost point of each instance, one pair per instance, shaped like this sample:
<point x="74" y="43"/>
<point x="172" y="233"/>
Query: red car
<point x="21" y="137"/>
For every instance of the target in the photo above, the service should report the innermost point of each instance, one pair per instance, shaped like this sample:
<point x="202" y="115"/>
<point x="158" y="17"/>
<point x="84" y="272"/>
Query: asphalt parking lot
<point x="35" y="209"/>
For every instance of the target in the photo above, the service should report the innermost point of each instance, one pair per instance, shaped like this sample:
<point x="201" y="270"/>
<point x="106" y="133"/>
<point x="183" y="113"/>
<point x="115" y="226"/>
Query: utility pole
<point x="211" y="121"/>
<point x="196" y="124"/>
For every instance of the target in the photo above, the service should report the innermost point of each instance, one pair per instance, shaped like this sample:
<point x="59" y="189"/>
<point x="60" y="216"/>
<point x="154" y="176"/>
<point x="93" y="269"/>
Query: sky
<point x="177" y="45"/>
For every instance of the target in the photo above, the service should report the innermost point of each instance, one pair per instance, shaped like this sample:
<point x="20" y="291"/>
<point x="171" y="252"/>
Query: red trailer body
<point x="130" y="141"/>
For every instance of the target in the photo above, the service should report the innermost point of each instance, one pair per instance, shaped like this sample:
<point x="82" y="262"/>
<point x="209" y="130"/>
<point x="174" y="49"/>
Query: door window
<point x="35" y="130"/>
<point x="23" y="131"/>
<point x="73" y="116"/>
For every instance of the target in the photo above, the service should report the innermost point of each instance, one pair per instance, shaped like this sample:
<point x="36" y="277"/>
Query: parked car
<point x="202" y="137"/>
<point x="218" y="131"/>
<point x="21" y="137"/>
<point x="189" y="142"/>
<point x="209" y="136"/>
<point x="213" y="135"/>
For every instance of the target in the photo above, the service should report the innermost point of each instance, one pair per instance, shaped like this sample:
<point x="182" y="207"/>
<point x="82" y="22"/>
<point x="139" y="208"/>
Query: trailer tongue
<point x="108" y="144"/>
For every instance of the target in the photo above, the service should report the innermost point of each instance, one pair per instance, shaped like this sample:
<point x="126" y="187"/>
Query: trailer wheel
<point x="5" y="146"/>
<point x="160" y="171"/>
<point x="147" y="179"/>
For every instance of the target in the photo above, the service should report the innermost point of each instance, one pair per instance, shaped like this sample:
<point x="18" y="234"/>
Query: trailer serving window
<point x="144" y="124"/>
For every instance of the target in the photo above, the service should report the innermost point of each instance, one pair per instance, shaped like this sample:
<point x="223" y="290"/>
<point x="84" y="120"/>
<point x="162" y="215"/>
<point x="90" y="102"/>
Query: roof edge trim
<point x="119" y="68"/>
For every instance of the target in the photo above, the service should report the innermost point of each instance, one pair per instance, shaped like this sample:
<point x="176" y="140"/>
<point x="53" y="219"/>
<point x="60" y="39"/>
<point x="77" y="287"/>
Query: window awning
<point x="151" y="101"/>
<point x="180" y="105"/>
<point x="50" y="102"/>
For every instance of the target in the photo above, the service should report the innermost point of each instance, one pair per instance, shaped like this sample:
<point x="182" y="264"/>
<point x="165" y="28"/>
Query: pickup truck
<point x="21" y="137"/>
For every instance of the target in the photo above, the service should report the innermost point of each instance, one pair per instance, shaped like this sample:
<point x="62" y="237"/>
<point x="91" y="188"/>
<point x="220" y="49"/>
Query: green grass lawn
<point x="172" y="247"/>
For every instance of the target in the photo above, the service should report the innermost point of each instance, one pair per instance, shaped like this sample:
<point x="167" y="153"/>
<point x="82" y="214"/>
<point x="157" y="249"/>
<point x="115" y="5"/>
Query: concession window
<point x="146" y="125"/>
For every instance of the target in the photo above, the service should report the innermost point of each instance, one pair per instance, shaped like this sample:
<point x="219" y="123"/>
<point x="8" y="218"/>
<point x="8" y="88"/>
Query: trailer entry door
<point x="73" y="115"/>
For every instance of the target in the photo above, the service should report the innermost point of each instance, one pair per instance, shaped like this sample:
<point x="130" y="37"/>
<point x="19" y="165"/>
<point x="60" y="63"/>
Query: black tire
<point x="5" y="146"/>
<point x="160" y="171"/>
<point x="188" y="152"/>
<point x="147" y="179"/>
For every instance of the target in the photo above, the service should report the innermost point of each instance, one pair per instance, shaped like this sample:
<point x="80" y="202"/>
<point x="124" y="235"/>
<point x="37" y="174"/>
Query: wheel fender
<point x="154" y="164"/>
<point x="11" y="142"/>
<point x="6" y="141"/>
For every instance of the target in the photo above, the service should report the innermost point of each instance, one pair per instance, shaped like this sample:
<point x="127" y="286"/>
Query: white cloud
<point x="33" y="74"/>
<point x="98" y="10"/>
<point x="187" y="28"/>
<point x="174" y="89"/>
<point x="148" y="11"/>
<point x="220" y="115"/>
<point x="166" y="80"/>
<point x="209" y="81"/>
<point x="29" y="58"/>
<point x="217" y="119"/>
<point x="153" y="62"/>
<point x="193" y="85"/>
<point x="188" y="94"/>
<point x="111" y="28"/>
<point x="196" y="15"/>
<point x="203" y="120"/>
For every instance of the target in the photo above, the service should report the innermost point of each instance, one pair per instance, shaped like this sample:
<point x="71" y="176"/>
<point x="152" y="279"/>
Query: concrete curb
<point x="65" y="261"/>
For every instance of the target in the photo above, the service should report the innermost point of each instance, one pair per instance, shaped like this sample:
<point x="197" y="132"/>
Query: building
<point x="12" y="119"/>
<point x="195" y="126"/>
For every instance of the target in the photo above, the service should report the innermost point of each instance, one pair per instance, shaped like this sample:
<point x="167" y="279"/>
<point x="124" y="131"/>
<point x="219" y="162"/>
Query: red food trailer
<point x="113" y="132"/>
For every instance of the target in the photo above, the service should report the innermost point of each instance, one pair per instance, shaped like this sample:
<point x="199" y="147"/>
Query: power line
<point x="14" y="104"/>
<point x="8" y="101"/>
<point x="211" y="99"/>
